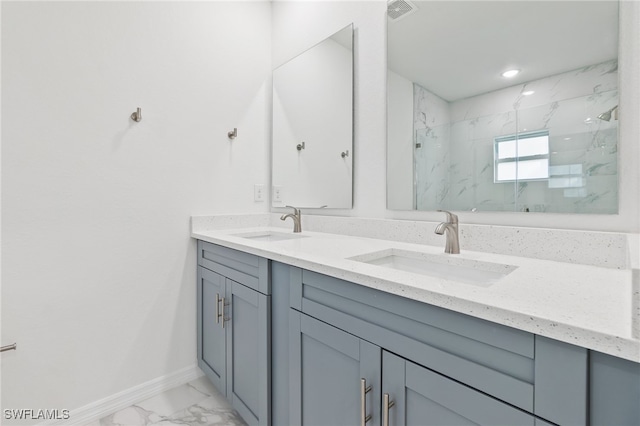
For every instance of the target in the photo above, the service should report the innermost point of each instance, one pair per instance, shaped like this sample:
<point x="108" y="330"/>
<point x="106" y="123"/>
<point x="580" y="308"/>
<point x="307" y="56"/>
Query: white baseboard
<point x="109" y="405"/>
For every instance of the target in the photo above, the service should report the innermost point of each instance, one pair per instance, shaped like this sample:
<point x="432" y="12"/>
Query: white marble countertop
<point x="593" y="307"/>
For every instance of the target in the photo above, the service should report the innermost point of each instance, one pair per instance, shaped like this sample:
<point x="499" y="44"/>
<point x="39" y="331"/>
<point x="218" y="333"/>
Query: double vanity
<point x="522" y="326"/>
<point x="320" y="328"/>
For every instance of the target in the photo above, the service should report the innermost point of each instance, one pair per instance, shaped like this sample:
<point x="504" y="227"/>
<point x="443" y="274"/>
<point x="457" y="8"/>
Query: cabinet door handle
<point x="218" y="315"/>
<point x="364" y="390"/>
<point x="386" y="405"/>
<point x="224" y="319"/>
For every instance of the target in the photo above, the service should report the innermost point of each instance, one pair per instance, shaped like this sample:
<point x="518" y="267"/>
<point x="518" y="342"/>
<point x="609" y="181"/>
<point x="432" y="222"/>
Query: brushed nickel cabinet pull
<point x="224" y="319"/>
<point x="218" y="315"/>
<point x="386" y="405"/>
<point x="364" y="390"/>
<point x="11" y="347"/>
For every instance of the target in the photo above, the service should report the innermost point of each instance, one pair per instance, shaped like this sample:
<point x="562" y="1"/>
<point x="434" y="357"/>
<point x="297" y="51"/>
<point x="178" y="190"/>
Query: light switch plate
<point x="258" y="192"/>
<point x="277" y="193"/>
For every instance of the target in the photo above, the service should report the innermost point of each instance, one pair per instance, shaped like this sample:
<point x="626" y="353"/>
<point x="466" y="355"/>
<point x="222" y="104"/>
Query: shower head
<point x="606" y="116"/>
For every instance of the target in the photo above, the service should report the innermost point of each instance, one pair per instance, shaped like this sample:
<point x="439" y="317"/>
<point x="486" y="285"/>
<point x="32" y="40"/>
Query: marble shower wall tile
<point x="592" y="79"/>
<point x="432" y="168"/>
<point x="431" y="152"/>
<point x="567" y="104"/>
<point x="429" y="110"/>
<point x="472" y="169"/>
<point x="580" y="142"/>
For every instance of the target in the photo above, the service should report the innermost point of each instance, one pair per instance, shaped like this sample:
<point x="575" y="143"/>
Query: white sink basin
<point x="444" y="266"/>
<point x="269" y="236"/>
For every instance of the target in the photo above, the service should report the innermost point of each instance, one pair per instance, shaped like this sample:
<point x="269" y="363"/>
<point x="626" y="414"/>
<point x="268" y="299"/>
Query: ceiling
<point x="458" y="49"/>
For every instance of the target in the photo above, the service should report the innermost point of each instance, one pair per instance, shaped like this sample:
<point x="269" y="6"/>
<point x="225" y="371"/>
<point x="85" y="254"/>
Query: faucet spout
<point x="296" y="216"/>
<point x="450" y="227"/>
<point x="441" y="228"/>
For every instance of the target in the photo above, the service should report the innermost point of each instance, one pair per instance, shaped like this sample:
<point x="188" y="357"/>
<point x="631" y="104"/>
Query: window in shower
<point x="521" y="157"/>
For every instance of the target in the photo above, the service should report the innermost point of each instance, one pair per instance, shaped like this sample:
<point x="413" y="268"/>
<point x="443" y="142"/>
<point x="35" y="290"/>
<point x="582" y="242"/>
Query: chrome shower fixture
<point x="606" y="116"/>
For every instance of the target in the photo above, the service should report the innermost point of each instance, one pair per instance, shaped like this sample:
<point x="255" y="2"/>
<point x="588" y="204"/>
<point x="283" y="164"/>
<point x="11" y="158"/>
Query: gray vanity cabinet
<point x="334" y="376"/>
<point x="471" y="369"/>
<point x="234" y="328"/>
<point x="296" y="346"/>
<point x="337" y="378"/>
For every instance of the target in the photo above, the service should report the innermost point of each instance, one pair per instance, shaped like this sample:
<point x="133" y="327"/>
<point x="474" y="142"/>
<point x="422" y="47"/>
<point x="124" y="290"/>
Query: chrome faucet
<point x="297" y="219"/>
<point x="451" y="227"/>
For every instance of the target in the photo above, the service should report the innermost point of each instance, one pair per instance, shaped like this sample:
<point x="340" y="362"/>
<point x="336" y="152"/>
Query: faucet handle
<point x="452" y="218"/>
<point x="295" y="210"/>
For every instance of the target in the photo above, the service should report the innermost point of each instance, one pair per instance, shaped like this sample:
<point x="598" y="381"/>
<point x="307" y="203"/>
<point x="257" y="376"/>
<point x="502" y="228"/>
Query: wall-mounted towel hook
<point x="234" y="134"/>
<point x="344" y="153"/>
<point x="11" y="347"/>
<point x="300" y="146"/>
<point x="137" y="116"/>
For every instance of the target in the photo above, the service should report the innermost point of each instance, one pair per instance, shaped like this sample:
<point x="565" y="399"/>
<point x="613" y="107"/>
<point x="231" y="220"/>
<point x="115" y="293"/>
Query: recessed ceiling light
<point x="567" y="139"/>
<point x="589" y="120"/>
<point x="510" y="73"/>
<point x="528" y="93"/>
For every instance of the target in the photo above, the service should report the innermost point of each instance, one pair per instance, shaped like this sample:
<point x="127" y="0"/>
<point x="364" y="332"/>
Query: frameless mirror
<point x="461" y="136"/>
<point x="312" y="158"/>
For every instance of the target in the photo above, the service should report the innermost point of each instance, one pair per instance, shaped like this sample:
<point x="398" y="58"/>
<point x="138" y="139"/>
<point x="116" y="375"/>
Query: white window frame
<point x="519" y="137"/>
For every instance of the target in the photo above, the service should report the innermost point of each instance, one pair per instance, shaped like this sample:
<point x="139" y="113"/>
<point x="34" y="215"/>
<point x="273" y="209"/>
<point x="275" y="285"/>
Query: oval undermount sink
<point x="442" y="266"/>
<point x="269" y="236"/>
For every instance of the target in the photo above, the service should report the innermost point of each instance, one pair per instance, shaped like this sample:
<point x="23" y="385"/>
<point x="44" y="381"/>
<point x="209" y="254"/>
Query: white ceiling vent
<point x="398" y="9"/>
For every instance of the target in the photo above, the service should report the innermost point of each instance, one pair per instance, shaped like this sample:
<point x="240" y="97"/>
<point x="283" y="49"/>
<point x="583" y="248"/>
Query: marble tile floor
<point x="194" y="403"/>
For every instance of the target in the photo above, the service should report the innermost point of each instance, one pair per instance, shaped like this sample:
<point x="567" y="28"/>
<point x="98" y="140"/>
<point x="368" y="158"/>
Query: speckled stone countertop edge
<point x="605" y="321"/>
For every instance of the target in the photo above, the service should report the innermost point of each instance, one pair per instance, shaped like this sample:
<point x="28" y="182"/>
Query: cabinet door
<point x="248" y="353"/>
<point x="211" y="334"/>
<point x="423" y="397"/>
<point x="327" y="368"/>
<point x="615" y="390"/>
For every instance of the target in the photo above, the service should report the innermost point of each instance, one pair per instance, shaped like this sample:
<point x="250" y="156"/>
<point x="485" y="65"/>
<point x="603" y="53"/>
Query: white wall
<point x="98" y="278"/>
<point x="297" y="25"/>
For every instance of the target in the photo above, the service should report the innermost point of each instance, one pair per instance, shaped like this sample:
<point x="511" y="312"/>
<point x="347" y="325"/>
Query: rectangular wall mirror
<point x="463" y="136"/>
<point x="312" y="158"/>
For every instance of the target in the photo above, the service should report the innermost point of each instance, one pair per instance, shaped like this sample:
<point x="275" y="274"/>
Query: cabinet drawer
<point x="246" y="269"/>
<point x="490" y="357"/>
